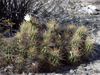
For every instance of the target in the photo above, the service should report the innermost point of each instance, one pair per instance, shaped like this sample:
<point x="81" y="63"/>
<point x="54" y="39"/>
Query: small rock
<point x="90" y="9"/>
<point x="83" y="65"/>
<point x="71" y="71"/>
<point x="58" y="74"/>
<point x="12" y="74"/>
<point x="52" y="45"/>
<point x="81" y="68"/>
<point x="5" y="69"/>
<point x="30" y="74"/>
<point x="98" y="61"/>
<point x="23" y="73"/>
<point x="84" y="74"/>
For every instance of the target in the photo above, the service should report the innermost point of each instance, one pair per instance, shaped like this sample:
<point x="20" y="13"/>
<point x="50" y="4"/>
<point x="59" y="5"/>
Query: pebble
<point x="90" y="9"/>
<point x="83" y="65"/>
<point x="12" y="74"/>
<point x="30" y="74"/>
<point x="71" y="71"/>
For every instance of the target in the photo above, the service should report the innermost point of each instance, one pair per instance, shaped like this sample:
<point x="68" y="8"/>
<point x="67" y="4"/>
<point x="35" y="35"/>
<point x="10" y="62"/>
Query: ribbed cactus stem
<point x="82" y="32"/>
<point x="89" y="45"/>
<point x="75" y="47"/>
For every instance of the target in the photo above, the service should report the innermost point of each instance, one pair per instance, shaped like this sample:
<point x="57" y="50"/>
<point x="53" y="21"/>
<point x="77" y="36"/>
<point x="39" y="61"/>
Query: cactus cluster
<point x="49" y="44"/>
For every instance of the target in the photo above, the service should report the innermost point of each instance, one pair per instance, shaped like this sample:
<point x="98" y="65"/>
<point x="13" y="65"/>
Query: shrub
<point x="6" y="27"/>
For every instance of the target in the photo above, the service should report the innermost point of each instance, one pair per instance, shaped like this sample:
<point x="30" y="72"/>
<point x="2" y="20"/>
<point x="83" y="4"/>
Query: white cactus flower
<point x="71" y="53"/>
<point x="27" y="17"/>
